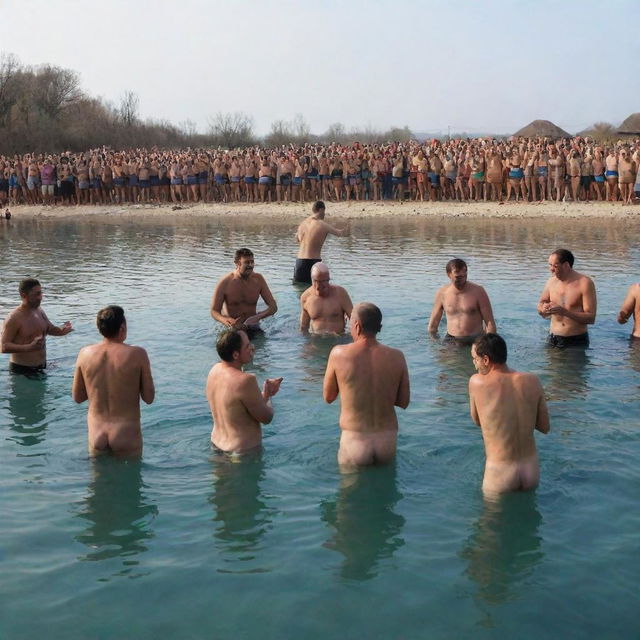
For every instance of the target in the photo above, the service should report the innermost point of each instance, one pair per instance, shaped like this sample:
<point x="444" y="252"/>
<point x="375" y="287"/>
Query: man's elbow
<point x="329" y="396"/>
<point x="267" y="417"/>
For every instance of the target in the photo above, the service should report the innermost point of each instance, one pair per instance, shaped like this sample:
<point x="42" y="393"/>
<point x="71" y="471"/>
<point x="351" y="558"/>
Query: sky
<point x="469" y="65"/>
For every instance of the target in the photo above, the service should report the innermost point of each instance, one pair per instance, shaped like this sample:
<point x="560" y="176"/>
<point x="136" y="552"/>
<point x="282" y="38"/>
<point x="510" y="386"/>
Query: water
<point x="183" y="544"/>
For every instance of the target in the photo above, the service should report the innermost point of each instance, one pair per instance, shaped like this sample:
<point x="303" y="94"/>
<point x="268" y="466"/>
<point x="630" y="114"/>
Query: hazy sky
<point x="473" y="65"/>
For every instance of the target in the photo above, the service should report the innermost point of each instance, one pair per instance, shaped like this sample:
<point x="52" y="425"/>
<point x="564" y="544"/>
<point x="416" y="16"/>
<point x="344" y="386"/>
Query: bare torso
<point x="326" y="314"/>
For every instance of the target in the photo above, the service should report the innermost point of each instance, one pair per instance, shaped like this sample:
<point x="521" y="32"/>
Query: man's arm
<point x="472" y="402"/>
<point x="147" y="388"/>
<point x="542" y="417"/>
<point x="345" y="231"/>
<point x="269" y="300"/>
<point x="404" y="394"/>
<point x="79" y="389"/>
<point x="588" y="313"/>
<point x="305" y="319"/>
<point x="257" y="404"/>
<point x="330" y="388"/>
<point x="9" y="333"/>
<point x="216" y="304"/>
<point x="486" y="312"/>
<point x="628" y="305"/>
<point x="345" y="301"/>
<point x="436" y="314"/>
<point x="52" y="330"/>
<point x="543" y="303"/>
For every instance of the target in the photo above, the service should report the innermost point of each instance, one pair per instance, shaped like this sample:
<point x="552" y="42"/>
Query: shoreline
<point x="346" y="210"/>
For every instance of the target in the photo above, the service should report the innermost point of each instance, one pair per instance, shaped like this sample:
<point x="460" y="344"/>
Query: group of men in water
<point x="370" y="378"/>
<point x="525" y="169"/>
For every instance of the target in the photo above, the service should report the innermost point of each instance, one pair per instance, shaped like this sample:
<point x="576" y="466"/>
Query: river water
<point x="183" y="544"/>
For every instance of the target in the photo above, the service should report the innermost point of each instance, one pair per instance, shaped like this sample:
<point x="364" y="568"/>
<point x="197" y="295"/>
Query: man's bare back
<point x="312" y="233"/>
<point x="508" y="406"/>
<point x="113" y="376"/>
<point x="237" y="406"/>
<point x="372" y="379"/>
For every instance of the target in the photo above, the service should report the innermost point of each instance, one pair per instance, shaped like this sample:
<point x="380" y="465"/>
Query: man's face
<point x="33" y="297"/>
<point x="557" y="268"/>
<point x="478" y="362"/>
<point x="458" y="278"/>
<point x="245" y="266"/>
<point x="246" y="350"/>
<point x="321" y="284"/>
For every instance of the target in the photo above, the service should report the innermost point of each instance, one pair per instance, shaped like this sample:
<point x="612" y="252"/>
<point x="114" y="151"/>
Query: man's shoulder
<point x="306" y="294"/>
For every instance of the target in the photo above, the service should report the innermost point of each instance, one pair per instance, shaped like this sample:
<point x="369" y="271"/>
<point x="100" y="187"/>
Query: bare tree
<point x="301" y="128"/>
<point x="188" y="127"/>
<point x="55" y="88"/>
<point x="232" y="129"/>
<point x="129" y="103"/>
<point x="9" y="70"/>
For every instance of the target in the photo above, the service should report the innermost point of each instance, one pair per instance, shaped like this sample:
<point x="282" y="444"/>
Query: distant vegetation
<point x="44" y="109"/>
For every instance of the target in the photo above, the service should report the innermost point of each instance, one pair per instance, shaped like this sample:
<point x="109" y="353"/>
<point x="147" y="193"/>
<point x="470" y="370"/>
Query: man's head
<point x="368" y="317"/>
<point x="244" y="262"/>
<point x="320" y="278"/>
<point x="318" y="209"/>
<point x="233" y="345"/>
<point x="111" y="320"/>
<point x="561" y="263"/>
<point x="488" y="349"/>
<point x="457" y="272"/>
<point x="31" y="292"/>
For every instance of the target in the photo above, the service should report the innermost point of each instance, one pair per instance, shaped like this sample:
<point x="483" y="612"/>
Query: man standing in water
<point x="25" y="331"/>
<point x="631" y="307"/>
<point x="236" y="296"/>
<point x="324" y="306"/>
<point x="508" y="406"/>
<point x="113" y="376"/>
<point x="569" y="299"/>
<point x="237" y="406"/>
<point x="372" y="379"/>
<point x="312" y="233"/>
<point x="466" y="305"/>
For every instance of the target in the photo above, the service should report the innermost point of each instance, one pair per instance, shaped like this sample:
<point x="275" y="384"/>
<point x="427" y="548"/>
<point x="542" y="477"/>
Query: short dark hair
<point x="229" y="341"/>
<point x="456" y="264"/>
<point x="109" y="320"/>
<point x="564" y="255"/>
<point x="243" y="253"/>
<point x="318" y="206"/>
<point x="370" y="317"/>
<point x="492" y="345"/>
<point x="26" y="285"/>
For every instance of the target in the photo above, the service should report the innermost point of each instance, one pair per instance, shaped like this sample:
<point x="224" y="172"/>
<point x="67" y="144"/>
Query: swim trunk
<point x="542" y="172"/>
<point x="176" y="181"/>
<point x="612" y="174"/>
<point x="249" y="180"/>
<point x="33" y="182"/>
<point x="219" y="178"/>
<point x="119" y="182"/>
<point x="562" y="342"/>
<point x="145" y="184"/>
<point x="133" y="181"/>
<point x="585" y="181"/>
<point x="154" y="180"/>
<point x="302" y="271"/>
<point x="434" y="179"/>
<point x="4" y="185"/>
<point x="479" y="175"/>
<point x="96" y="183"/>
<point x="599" y="178"/>
<point x="285" y="179"/>
<point x="264" y="180"/>
<point x="83" y="184"/>
<point x="48" y="189"/>
<point x="24" y="370"/>
<point x="67" y="188"/>
<point x="252" y="331"/>
<point x="192" y="180"/>
<point x="13" y="182"/>
<point x="202" y="177"/>
<point x="517" y="173"/>
<point x="462" y="340"/>
<point x="165" y="180"/>
<point x="234" y="178"/>
<point x="297" y="181"/>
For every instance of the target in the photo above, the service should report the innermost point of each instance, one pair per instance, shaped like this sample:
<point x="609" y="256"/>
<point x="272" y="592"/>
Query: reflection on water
<point x="634" y="353"/>
<point x="117" y="512"/>
<point x="315" y="353"/>
<point x="455" y="369"/>
<point x="242" y="513"/>
<point x="367" y="529"/>
<point x="504" y="547"/>
<point x="568" y="371"/>
<point x="27" y="409"/>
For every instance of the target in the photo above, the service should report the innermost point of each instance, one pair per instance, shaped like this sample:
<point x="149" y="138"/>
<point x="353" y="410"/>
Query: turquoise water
<point x="186" y="545"/>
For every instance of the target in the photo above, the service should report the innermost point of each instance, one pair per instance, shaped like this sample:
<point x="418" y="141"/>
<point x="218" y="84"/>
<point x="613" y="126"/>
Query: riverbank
<point x="351" y="210"/>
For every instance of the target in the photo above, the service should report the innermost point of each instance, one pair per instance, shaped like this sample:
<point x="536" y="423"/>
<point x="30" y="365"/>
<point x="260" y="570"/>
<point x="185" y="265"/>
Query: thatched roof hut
<point x="631" y="126"/>
<point x="543" y="128"/>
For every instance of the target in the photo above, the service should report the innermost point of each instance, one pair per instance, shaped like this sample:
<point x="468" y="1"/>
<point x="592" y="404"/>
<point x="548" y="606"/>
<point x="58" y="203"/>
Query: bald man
<point x="325" y="307"/>
<point x="372" y="379"/>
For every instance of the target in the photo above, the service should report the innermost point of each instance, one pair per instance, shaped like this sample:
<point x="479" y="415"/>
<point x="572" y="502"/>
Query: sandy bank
<point x="353" y="210"/>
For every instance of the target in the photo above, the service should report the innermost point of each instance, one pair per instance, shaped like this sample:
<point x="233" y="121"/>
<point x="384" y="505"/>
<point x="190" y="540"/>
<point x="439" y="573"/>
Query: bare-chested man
<point x="113" y="376"/>
<point x="465" y="304"/>
<point x="324" y="306"/>
<point x="237" y="406"/>
<point x="25" y="331"/>
<point x="372" y="379"/>
<point x="236" y="296"/>
<point x="508" y="406"/>
<point x="631" y="307"/>
<point x="569" y="299"/>
<point x="311" y="234"/>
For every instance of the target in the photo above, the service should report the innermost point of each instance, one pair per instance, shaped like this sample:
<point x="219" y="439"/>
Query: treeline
<point x="44" y="109"/>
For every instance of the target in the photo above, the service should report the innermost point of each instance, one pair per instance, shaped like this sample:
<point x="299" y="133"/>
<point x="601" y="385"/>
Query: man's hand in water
<point x="271" y="387"/>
